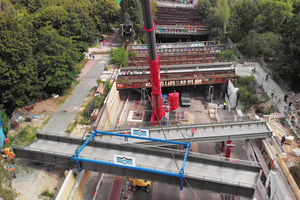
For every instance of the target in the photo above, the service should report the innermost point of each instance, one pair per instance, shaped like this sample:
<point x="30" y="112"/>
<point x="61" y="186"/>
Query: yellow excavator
<point x="140" y="183"/>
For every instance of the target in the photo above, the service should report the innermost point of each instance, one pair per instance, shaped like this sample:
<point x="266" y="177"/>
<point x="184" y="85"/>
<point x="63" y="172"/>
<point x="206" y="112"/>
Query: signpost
<point x="124" y="160"/>
<point x="140" y="132"/>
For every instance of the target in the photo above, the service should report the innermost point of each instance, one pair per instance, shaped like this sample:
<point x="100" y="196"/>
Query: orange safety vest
<point x="6" y="141"/>
<point x="11" y="169"/>
<point x="126" y="133"/>
<point x="193" y="130"/>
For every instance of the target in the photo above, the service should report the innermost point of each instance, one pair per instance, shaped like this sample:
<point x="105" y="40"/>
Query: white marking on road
<point x="102" y="62"/>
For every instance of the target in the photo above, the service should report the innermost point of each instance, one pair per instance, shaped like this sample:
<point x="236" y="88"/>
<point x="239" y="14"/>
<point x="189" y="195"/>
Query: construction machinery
<point x="138" y="183"/>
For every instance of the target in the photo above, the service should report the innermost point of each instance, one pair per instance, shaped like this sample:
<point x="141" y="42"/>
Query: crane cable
<point x="143" y="67"/>
<point x="173" y="154"/>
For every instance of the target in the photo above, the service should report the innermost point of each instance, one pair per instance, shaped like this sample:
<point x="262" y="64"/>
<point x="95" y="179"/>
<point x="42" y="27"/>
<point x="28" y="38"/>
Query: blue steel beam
<point x="141" y="138"/>
<point x="155" y="171"/>
<point x="183" y="164"/>
<point x="76" y="159"/>
<point x="85" y="143"/>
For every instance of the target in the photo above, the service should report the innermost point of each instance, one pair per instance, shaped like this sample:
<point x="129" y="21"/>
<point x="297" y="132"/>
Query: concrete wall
<point x="82" y="185"/>
<point x="110" y="106"/>
<point x="289" y="176"/>
<point x="67" y="187"/>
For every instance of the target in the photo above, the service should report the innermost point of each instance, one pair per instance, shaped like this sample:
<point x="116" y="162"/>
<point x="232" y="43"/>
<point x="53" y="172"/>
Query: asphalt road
<point x="60" y="121"/>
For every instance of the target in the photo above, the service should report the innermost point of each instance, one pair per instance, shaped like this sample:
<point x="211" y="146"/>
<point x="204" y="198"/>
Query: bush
<point x="119" y="57"/>
<point x="47" y="193"/>
<point x="269" y="110"/>
<point x="265" y="96"/>
<point x="5" y="120"/>
<point x="247" y="91"/>
<point x="26" y="135"/>
<point x="227" y="54"/>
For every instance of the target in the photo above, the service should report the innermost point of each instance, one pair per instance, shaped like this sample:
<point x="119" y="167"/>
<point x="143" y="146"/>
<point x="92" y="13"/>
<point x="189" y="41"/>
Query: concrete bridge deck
<point x="235" y="177"/>
<point x="204" y="133"/>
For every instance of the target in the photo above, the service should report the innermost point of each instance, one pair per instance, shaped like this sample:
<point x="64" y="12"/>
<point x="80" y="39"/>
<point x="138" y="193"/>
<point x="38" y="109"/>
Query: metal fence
<point x="232" y="46"/>
<point x="282" y="84"/>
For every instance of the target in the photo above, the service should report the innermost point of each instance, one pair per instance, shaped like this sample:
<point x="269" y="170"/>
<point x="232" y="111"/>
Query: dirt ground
<point x="46" y="108"/>
<point x="29" y="186"/>
<point x="279" y="131"/>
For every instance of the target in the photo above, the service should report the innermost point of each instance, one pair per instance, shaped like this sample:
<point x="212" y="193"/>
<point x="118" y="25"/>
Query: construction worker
<point x="193" y="131"/>
<point x="126" y="138"/>
<point x="6" y="151"/>
<point x="11" y="157"/>
<point x="283" y="140"/>
<point x="225" y="104"/>
<point x="12" y="171"/>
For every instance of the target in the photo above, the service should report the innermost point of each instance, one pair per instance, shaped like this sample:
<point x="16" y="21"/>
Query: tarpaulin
<point x="2" y="137"/>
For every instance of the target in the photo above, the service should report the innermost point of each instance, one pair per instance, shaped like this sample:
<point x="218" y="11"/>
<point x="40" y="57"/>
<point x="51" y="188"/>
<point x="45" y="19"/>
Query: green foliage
<point x="6" y="191"/>
<point x="247" y="91"/>
<point x="134" y="10"/>
<point x="242" y="19"/>
<point x="119" y="56"/>
<point x="47" y="193"/>
<point x="265" y="96"/>
<point x="95" y="103"/>
<point x="109" y="10"/>
<point x="216" y="15"/>
<point x="269" y="29"/>
<point x="132" y="54"/>
<point x="72" y="126"/>
<point x="267" y="44"/>
<point x="25" y="135"/>
<point x="272" y="15"/>
<point x="58" y="69"/>
<point x="41" y="42"/>
<point x="227" y="54"/>
<point x="5" y="120"/>
<point x="270" y="45"/>
<point x="154" y="8"/>
<point x="18" y="77"/>
<point x="270" y="110"/>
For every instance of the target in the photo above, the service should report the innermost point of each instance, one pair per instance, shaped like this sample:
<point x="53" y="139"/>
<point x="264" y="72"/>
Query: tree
<point x="56" y="57"/>
<point x="270" y="45"/>
<point x="119" y="56"/>
<point x="18" y="77"/>
<point x="109" y="11"/>
<point x="272" y="15"/>
<point x="134" y="9"/>
<point x="227" y="54"/>
<point x="247" y="91"/>
<point x="224" y="12"/>
<point x="209" y="11"/>
<point x="242" y="20"/>
<point x="4" y="119"/>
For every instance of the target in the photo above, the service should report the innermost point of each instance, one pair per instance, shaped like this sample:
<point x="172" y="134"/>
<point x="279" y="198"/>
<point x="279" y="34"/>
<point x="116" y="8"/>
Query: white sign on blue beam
<point x="139" y="132"/>
<point x="124" y="160"/>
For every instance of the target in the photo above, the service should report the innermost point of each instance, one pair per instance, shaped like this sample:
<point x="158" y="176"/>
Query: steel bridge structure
<point x="177" y="75"/>
<point x="235" y="177"/>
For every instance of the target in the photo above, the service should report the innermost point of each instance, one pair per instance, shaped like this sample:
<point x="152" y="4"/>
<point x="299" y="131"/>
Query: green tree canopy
<point x="57" y="56"/>
<point x="18" y="77"/>
<point x="242" y="19"/>
<point x="272" y="15"/>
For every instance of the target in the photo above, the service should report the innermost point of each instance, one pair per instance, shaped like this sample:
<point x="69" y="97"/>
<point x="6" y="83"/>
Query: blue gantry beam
<point x="179" y="175"/>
